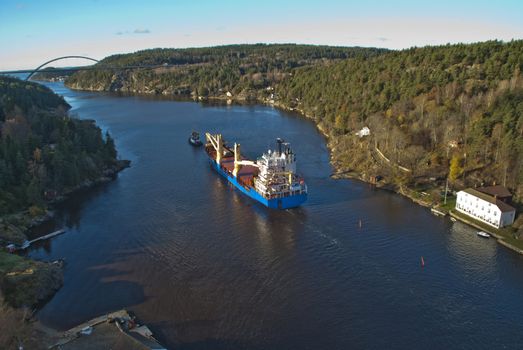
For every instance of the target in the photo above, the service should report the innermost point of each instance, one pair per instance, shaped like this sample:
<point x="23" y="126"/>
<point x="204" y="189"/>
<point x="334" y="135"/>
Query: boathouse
<point x="485" y="207"/>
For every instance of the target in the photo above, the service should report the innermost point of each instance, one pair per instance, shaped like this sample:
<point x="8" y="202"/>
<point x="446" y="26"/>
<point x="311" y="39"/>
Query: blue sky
<point x="32" y="32"/>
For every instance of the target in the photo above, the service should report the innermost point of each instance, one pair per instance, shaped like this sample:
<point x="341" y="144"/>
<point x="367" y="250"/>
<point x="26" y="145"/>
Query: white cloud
<point x="142" y="31"/>
<point x="136" y="31"/>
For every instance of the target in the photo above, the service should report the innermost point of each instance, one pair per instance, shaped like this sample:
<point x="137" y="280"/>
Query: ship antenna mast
<point x="279" y="141"/>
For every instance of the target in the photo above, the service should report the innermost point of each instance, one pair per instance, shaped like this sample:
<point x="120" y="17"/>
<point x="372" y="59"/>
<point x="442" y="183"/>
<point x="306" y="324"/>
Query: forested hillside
<point x="424" y="107"/>
<point x="42" y="149"/>
<point x="243" y="70"/>
<point x="427" y="108"/>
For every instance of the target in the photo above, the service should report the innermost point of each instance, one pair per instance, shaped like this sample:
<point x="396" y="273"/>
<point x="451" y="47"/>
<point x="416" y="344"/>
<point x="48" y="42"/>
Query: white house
<point x="365" y="131"/>
<point x="484" y="207"/>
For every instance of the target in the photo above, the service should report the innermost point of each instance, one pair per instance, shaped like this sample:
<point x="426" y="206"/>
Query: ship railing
<point x="286" y="194"/>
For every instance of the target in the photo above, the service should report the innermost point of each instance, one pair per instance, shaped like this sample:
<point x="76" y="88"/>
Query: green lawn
<point x="450" y="205"/>
<point x="31" y="282"/>
<point x="13" y="262"/>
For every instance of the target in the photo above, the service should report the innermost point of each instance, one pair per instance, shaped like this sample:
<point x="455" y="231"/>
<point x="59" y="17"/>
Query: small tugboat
<point x="194" y="139"/>
<point x="483" y="234"/>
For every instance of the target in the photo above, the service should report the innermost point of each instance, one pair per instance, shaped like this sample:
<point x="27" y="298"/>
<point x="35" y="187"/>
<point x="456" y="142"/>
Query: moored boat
<point x="270" y="180"/>
<point x="483" y="234"/>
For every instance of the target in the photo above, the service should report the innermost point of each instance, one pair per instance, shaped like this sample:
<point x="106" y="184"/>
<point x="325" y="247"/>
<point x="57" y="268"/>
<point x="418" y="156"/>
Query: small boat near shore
<point x="194" y="139"/>
<point x="483" y="234"/>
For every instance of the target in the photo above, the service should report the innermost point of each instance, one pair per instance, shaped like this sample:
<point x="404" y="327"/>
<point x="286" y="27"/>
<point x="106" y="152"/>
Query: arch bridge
<point x="39" y="68"/>
<point x="58" y="59"/>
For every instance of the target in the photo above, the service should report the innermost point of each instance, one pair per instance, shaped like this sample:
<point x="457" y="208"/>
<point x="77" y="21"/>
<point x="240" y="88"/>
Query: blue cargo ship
<point x="270" y="180"/>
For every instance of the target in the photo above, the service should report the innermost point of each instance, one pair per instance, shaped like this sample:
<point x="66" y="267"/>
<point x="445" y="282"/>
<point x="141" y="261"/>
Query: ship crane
<point x="247" y="162"/>
<point x="217" y="142"/>
<point x="238" y="162"/>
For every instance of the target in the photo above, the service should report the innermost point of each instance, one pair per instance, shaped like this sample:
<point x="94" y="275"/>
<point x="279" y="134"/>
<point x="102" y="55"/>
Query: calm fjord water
<point x="207" y="268"/>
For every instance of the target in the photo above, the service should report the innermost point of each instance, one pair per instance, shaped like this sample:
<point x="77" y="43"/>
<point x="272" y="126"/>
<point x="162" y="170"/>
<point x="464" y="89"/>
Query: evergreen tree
<point x="43" y="148"/>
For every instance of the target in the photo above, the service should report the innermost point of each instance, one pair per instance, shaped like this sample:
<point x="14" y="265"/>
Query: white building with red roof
<point x="485" y="207"/>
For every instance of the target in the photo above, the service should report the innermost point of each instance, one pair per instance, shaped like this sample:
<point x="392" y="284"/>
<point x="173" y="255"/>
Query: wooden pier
<point x="50" y="235"/>
<point x="27" y="244"/>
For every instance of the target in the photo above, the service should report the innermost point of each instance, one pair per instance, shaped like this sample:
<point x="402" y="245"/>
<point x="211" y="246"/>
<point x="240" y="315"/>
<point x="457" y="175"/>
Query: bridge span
<point x="58" y="59"/>
<point x="92" y="67"/>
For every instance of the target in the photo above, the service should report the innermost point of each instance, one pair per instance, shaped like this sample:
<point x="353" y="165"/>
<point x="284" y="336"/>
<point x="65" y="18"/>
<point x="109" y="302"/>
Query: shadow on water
<point x="68" y="214"/>
<point x="70" y="211"/>
<point x="113" y="292"/>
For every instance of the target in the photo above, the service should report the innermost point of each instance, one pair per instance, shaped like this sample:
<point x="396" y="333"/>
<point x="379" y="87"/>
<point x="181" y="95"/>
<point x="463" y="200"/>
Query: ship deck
<point x="246" y="173"/>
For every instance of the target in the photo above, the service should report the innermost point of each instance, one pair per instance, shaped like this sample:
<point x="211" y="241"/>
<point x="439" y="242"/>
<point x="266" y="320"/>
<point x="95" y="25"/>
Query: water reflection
<point x="462" y="241"/>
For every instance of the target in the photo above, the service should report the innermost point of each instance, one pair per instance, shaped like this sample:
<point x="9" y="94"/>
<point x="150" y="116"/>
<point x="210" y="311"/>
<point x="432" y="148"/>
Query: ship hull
<point x="274" y="203"/>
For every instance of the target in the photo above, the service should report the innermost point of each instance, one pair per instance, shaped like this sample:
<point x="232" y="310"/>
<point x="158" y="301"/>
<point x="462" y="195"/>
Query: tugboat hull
<point x="195" y="143"/>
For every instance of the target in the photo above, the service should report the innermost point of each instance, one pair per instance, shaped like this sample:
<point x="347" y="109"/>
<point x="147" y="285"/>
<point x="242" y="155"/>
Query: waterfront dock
<point x="27" y="244"/>
<point x="107" y="331"/>
<point x="50" y="235"/>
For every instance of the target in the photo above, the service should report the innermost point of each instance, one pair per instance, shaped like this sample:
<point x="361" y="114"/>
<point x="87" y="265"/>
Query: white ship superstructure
<point x="277" y="173"/>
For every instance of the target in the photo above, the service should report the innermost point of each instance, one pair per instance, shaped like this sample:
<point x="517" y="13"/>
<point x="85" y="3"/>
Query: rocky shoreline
<point x="107" y="176"/>
<point x="29" y="283"/>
